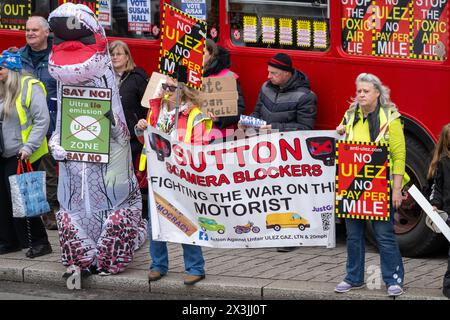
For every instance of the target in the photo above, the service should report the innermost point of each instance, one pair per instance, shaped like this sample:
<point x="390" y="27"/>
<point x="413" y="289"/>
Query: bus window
<point x="141" y="21"/>
<point x="406" y="29"/>
<point x="207" y="10"/>
<point x="287" y="24"/>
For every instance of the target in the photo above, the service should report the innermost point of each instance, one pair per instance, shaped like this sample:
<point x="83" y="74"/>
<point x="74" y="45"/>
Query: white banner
<point x="269" y="190"/>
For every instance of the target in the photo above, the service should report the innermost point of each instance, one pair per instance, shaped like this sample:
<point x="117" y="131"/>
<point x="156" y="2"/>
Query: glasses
<point x="166" y="86"/>
<point x="117" y="54"/>
<point x="1" y="68"/>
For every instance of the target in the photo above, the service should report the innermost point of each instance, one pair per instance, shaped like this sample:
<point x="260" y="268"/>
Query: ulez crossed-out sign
<point x="85" y="127"/>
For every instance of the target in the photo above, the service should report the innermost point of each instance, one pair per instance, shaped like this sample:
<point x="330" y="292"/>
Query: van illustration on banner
<point x="277" y="221"/>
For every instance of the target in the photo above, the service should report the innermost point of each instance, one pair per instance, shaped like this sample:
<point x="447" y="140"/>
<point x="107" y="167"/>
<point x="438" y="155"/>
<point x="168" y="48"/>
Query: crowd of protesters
<point x="286" y="102"/>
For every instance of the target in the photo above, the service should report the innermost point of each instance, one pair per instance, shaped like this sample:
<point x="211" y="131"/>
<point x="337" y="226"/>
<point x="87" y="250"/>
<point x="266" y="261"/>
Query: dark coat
<point x="440" y="191"/>
<point x="41" y="73"/>
<point x="222" y="62"/>
<point x="292" y="107"/>
<point x="132" y="86"/>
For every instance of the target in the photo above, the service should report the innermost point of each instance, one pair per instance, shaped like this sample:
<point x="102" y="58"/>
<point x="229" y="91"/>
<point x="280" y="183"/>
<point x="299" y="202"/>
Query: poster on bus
<point x="269" y="190"/>
<point x="85" y="124"/>
<point x="92" y="4"/>
<point x="362" y="180"/>
<point x="139" y="15"/>
<point x="357" y="27"/>
<point x="14" y="14"/>
<point x="430" y="30"/>
<point x="182" y="44"/>
<point x="391" y="33"/>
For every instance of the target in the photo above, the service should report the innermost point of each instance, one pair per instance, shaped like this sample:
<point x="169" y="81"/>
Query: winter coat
<point x="440" y="191"/>
<point x="132" y="86"/>
<point x="291" y="107"/>
<point x="219" y="68"/>
<point x="41" y="73"/>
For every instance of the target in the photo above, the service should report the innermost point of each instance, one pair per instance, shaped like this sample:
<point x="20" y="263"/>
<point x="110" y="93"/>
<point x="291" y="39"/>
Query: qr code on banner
<point x="326" y="220"/>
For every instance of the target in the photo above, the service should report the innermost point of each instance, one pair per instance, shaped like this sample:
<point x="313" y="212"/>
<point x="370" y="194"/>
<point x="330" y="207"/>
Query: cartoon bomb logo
<point x="323" y="149"/>
<point x="161" y="146"/>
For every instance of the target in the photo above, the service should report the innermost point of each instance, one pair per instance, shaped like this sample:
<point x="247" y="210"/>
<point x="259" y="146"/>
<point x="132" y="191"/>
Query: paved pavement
<point x="305" y="273"/>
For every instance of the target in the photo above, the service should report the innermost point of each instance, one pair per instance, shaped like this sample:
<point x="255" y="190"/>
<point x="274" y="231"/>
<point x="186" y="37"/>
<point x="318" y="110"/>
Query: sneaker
<point x="346" y="287"/>
<point x="394" y="290"/>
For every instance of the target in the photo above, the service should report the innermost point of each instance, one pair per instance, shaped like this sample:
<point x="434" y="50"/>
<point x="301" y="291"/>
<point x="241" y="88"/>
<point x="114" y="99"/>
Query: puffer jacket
<point x="292" y="107"/>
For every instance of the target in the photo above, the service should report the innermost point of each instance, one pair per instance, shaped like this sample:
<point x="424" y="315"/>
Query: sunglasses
<point x="165" y="86"/>
<point x="1" y="68"/>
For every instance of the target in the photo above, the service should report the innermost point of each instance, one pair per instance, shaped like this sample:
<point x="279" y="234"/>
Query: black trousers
<point x="14" y="231"/>
<point x="446" y="284"/>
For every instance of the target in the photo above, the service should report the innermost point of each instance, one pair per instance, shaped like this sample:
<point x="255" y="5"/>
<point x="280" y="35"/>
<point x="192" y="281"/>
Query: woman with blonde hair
<point x="24" y="121"/>
<point x="373" y="117"/>
<point x="132" y="82"/>
<point x="193" y="128"/>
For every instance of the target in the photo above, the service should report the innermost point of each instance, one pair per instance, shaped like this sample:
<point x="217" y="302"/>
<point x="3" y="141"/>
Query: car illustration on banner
<point x="277" y="221"/>
<point x="211" y="225"/>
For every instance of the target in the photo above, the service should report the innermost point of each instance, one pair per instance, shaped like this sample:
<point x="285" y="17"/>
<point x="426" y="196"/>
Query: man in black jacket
<point x="286" y="101"/>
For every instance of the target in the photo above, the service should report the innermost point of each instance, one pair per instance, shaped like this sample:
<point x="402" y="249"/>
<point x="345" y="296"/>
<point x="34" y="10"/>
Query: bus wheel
<point x="413" y="236"/>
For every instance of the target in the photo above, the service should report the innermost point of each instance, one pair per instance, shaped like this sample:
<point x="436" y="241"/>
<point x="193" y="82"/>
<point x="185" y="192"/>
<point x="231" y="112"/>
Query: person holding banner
<point x="24" y="121"/>
<point x="216" y="64"/>
<point x="193" y="128"/>
<point x="439" y="171"/>
<point x="373" y="117"/>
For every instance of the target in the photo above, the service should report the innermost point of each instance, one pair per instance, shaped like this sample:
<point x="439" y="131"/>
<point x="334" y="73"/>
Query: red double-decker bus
<point x="404" y="42"/>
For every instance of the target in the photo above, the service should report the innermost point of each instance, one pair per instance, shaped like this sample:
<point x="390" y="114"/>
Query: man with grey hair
<point x="34" y="56"/>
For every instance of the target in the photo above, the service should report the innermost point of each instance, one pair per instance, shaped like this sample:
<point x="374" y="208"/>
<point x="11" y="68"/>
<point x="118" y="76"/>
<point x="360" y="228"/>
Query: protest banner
<point x="362" y="180"/>
<point x="85" y="127"/>
<point x="182" y="45"/>
<point x="266" y="191"/>
<point x="14" y="14"/>
<point x="219" y="94"/>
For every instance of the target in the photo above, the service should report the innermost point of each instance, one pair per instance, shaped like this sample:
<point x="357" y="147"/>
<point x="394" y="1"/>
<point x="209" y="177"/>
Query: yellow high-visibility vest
<point x="195" y="117"/>
<point x="387" y="115"/>
<point x="25" y="123"/>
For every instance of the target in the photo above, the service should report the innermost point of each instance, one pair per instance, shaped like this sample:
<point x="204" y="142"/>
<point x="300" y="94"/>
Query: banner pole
<point x="177" y="109"/>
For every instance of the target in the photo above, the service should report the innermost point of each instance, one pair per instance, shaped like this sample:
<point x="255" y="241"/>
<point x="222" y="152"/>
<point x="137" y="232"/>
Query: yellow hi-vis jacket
<point x="195" y="117"/>
<point x="26" y="124"/>
<point x="387" y="115"/>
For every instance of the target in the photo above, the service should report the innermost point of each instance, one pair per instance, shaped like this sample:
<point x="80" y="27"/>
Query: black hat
<point x="281" y="61"/>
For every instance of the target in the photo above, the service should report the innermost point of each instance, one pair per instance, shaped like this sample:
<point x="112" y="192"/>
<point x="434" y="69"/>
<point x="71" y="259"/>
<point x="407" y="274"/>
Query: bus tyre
<point x="414" y="237"/>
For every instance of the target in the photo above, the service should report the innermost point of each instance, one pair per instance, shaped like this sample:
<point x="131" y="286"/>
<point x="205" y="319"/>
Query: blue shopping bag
<point x="28" y="192"/>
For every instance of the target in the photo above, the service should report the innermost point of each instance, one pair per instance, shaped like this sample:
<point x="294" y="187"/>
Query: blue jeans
<point x="390" y="257"/>
<point x="194" y="263"/>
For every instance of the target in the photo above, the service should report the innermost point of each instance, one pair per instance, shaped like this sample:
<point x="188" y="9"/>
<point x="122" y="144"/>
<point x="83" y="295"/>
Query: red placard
<point x="362" y="181"/>
<point x="182" y="44"/>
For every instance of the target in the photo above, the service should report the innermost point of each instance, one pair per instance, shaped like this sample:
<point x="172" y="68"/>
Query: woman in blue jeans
<point x="194" y="263"/>
<point x="373" y="117"/>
